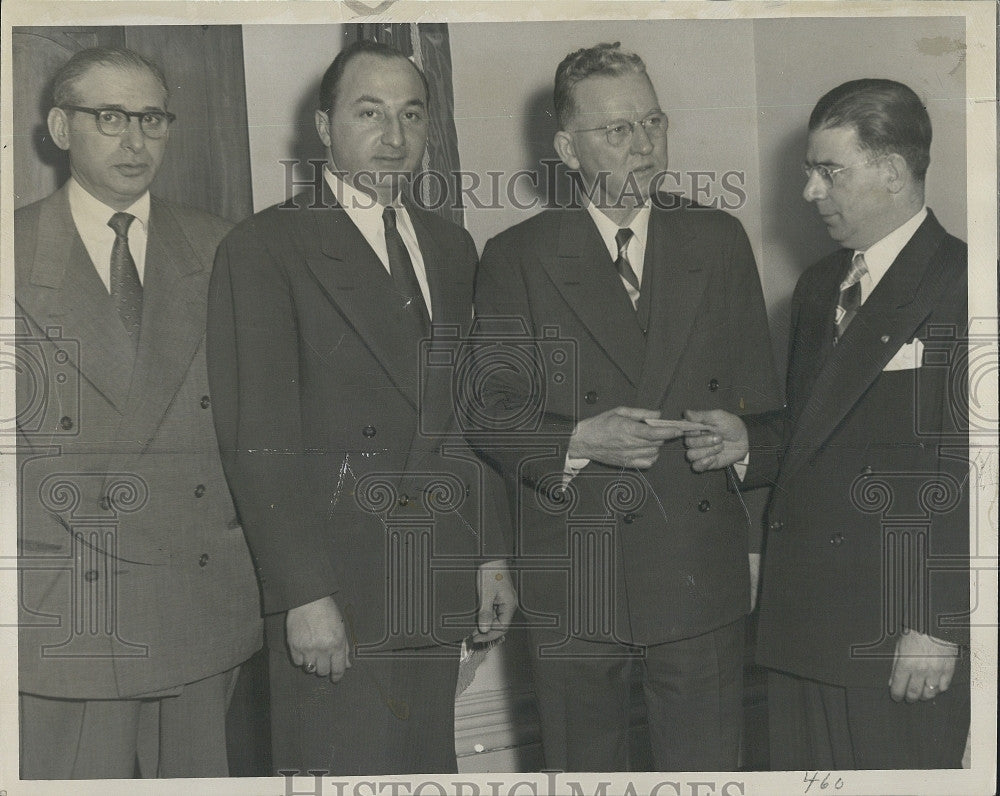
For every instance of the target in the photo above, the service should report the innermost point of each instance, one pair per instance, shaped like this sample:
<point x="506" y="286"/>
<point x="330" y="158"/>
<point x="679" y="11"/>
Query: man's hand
<point x="497" y="601"/>
<point x="726" y="444"/>
<point x="619" y="438"/>
<point x="754" y="579"/>
<point x="317" y="638"/>
<point x="922" y="667"/>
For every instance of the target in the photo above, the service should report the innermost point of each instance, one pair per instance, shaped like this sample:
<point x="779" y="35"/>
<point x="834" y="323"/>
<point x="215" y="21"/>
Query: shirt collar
<point x="92" y="212"/>
<point x="608" y="228"/>
<point x="880" y="255"/>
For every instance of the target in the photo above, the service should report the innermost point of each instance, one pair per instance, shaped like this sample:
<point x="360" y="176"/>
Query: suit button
<point x="66" y="423"/>
<point x="203" y="559"/>
<point x="590" y="397"/>
<point x="368" y="431"/>
<point x="90" y="575"/>
<point x="837" y="539"/>
<point x="199" y="490"/>
<point x="630" y="518"/>
<point x="776" y="525"/>
<point x="468" y="490"/>
<point x="867" y="470"/>
<point x="704" y="506"/>
<point x="713" y="385"/>
<point x="205" y="402"/>
<point x="404" y="499"/>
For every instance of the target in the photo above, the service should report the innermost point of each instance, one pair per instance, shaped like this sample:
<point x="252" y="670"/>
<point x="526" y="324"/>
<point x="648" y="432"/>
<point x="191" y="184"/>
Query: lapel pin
<point x="885" y="338"/>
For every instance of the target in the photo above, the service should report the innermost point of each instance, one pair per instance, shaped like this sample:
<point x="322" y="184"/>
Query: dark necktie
<point x="622" y="238"/>
<point x="125" y="287"/>
<point x="401" y="268"/>
<point x="850" y="296"/>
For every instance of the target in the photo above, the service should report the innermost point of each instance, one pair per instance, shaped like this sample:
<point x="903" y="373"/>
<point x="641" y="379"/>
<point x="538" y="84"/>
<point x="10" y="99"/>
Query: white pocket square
<point x="909" y="357"/>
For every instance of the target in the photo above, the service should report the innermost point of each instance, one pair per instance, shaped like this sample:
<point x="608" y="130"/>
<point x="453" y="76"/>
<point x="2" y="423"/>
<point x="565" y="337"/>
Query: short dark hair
<point x="887" y="116"/>
<point x="601" y="59"/>
<point x="334" y="73"/>
<point x="65" y="80"/>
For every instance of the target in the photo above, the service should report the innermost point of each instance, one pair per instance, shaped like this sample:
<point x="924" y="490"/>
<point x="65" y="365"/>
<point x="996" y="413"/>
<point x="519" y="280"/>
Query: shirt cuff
<point x="740" y="467"/>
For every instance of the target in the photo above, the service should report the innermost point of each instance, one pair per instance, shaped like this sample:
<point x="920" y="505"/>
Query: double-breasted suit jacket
<point x="135" y="577"/>
<point x="338" y="432"/>
<point x="635" y="556"/>
<point x="868" y="518"/>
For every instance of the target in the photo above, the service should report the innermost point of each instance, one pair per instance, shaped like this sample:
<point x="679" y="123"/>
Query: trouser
<point x="173" y="736"/>
<point x="693" y="691"/>
<point x="387" y="715"/>
<point x="818" y="726"/>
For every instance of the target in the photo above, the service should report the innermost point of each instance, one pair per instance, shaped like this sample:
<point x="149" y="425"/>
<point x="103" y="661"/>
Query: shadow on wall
<point x="305" y="145"/>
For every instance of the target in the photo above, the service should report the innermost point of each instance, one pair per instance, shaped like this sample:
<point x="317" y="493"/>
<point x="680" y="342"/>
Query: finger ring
<point x="310" y="667"/>
<point x="930" y="687"/>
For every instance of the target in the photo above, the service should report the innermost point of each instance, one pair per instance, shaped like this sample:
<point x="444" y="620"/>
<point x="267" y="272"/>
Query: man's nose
<point x="815" y="187"/>
<point x="392" y="132"/>
<point x="641" y="142"/>
<point x="132" y="137"/>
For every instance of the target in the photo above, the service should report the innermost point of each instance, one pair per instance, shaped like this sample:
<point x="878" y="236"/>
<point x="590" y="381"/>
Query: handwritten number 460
<point x="822" y="780"/>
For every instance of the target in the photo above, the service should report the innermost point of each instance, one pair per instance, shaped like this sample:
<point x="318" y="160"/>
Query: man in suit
<point x="627" y="555"/>
<point x="370" y="520"/>
<point x="137" y="592"/>
<point x="865" y="587"/>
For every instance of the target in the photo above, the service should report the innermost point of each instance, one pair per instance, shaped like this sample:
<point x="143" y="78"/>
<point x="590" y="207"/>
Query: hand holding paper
<point x="724" y="443"/>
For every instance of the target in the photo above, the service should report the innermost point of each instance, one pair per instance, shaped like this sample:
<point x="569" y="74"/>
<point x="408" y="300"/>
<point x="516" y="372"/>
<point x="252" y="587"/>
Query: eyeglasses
<point x="827" y="174"/>
<point x="621" y="131"/>
<point x="115" y="121"/>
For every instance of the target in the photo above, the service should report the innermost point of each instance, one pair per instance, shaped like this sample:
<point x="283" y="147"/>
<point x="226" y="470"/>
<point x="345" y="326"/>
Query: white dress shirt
<point x="91" y="217"/>
<point x="366" y="213"/>
<point x="879" y="256"/>
<point x="636" y="248"/>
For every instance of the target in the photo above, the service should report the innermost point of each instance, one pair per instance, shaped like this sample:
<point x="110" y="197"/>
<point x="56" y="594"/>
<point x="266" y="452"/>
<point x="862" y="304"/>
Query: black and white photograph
<point x="498" y="398"/>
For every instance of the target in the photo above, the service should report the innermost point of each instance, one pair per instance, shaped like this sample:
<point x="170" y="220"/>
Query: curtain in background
<point x="428" y="45"/>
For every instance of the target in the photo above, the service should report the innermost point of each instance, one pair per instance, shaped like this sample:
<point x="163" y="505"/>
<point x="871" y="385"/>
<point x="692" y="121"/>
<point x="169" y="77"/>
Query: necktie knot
<point x="622" y="237"/>
<point x="120" y="222"/>
<point x="389" y="217"/>
<point x="858" y="269"/>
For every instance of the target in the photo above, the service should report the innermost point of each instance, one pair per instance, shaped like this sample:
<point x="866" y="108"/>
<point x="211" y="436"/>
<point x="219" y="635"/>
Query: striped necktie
<point x="850" y="296"/>
<point x="124" y="284"/>
<point x="622" y="238"/>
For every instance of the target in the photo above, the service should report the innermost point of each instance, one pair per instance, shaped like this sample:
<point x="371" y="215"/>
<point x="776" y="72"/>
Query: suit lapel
<point x="64" y="291"/>
<point x="677" y="288"/>
<point x="173" y="323"/>
<point x="585" y="276"/>
<point x="888" y="319"/>
<point x="451" y="304"/>
<point x="356" y="282"/>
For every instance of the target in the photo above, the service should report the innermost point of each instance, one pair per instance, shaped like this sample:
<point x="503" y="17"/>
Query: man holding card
<point x="866" y="580"/>
<point x="649" y="304"/>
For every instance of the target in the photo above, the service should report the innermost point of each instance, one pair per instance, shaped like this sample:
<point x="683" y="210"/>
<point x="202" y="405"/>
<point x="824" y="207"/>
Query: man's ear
<point x="59" y="128"/>
<point x="896" y="173"/>
<point x="565" y="149"/>
<point x="323" y="127"/>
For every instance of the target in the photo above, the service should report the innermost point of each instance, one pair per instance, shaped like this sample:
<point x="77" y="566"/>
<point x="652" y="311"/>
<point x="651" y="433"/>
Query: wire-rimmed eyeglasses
<point x="115" y="121"/>
<point x="826" y="174"/>
<point x="620" y="131"/>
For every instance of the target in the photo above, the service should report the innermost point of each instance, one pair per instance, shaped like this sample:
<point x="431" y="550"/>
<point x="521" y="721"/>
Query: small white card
<point x="909" y="357"/>
<point x="680" y="425"/>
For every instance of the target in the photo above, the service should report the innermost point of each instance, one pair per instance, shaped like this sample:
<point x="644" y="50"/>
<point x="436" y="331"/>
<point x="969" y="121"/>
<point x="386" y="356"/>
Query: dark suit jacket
<point x="339" y="443"/>
<point x="636" y="556"/>
<point x="135" y="576"/>
<point x="869" y="514"/>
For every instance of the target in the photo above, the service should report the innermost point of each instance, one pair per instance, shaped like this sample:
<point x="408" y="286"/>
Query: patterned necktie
<point x="622" y="238"/>
<point x="125" y="287"/>
<point x="401" y="268"/>
<point x="850" y="296"/>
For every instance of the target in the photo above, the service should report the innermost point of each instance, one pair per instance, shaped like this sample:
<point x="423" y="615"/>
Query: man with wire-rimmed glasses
<point x="630" y="560"/>
<point x="137" y="598"/>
